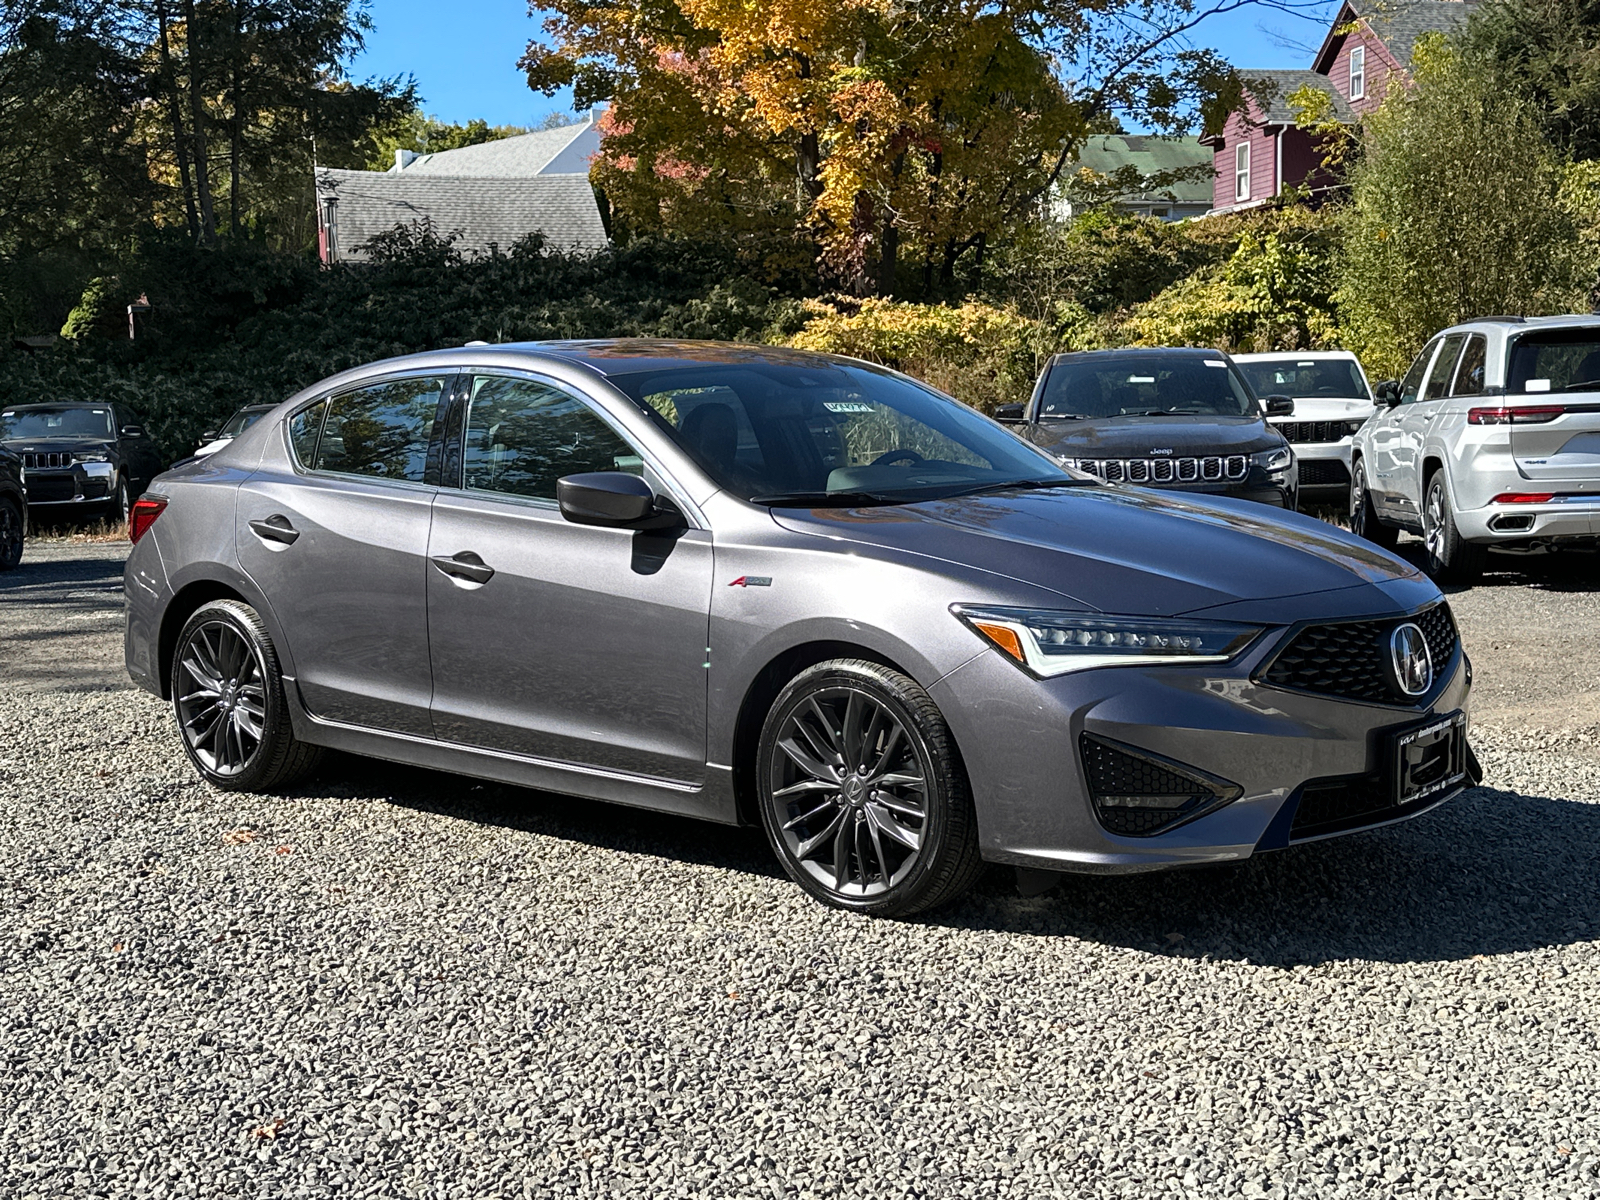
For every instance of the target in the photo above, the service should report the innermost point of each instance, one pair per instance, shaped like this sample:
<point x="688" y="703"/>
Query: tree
<point x="1459" y="207"/>
<point x="878" y="128"/>
<point x="1549" y="50"/>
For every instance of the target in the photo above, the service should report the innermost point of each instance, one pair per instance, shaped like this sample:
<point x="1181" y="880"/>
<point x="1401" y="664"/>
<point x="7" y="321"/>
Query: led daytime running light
<point x="1047" y="643"/>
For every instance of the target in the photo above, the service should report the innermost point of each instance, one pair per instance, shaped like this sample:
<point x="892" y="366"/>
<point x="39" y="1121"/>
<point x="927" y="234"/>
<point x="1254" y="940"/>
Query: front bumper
<point x="83" y="486"/>
<point x="1324" y="467"/>
<point x="1020" y="738"/>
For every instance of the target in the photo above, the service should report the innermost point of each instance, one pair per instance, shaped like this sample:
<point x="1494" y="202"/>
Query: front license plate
<point x="1430" y="759"/>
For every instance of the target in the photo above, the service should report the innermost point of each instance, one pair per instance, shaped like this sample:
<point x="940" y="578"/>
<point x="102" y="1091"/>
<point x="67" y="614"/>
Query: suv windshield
<point x="1557" y="360"/>
<point x="1329" y="378"/>
<point x="19" y="423"/>
<point x="830" y="433"/>
<point x="1127" y="385"/>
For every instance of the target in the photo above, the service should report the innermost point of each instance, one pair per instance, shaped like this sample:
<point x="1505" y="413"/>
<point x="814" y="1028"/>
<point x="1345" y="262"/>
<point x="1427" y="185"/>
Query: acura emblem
<point x="1410" y="664"/>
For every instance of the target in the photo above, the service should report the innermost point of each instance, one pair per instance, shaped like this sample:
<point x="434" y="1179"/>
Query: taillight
<point x="1536" y="415"/>
<point x="1523" y="498"/>
<point x="143" y="515"/>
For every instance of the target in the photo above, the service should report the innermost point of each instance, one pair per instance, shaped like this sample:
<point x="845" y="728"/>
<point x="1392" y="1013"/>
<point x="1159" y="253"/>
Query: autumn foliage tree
<point x="896" y="136"/>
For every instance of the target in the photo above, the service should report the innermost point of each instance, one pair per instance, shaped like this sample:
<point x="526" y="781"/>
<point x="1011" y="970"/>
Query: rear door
<point x="339" y="547"/>
<point x="571" y="643"/>
<point x="1553" y="392"/>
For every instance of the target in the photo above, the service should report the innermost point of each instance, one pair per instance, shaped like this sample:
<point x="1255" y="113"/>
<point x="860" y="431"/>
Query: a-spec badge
<point x="752" y="581"/>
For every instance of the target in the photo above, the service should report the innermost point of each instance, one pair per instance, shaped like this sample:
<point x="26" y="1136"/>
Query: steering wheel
<point x="893" y="456"/>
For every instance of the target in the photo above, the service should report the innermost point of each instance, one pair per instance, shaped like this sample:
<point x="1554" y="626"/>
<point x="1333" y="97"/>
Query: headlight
<point x="90" y="457"/>
<point x="1053" y="643"/>
<point x="1274" y="460"/>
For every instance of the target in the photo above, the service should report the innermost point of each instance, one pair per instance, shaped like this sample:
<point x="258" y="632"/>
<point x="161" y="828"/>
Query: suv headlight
<point x="1274" y="460"/>
<point x="1046" y="643"/>
<point x="91" y="456"/>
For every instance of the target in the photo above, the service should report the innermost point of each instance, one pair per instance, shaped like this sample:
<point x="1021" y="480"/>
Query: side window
<point x="1443" y="368"/>
<point x="304" y="428"/>
<point x="381" y="431"/>
<point x="1412" y="383"/>
<point x="522" y="436"/>
<point x="1469" y="374"/>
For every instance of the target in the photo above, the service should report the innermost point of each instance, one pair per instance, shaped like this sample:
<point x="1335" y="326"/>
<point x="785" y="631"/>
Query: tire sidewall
<point x="120" y="508"/>
<point x="247" y="624"/>
<point x="945" y="778"/>
<point x="8" y="505"/>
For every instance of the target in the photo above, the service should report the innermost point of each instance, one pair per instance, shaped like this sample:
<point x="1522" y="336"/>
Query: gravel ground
<point x="394" y="983"/>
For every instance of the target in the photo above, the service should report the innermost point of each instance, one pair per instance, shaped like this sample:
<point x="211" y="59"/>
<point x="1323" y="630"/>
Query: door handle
<point x="466" y="565"/>
<point x="275" y="529"/>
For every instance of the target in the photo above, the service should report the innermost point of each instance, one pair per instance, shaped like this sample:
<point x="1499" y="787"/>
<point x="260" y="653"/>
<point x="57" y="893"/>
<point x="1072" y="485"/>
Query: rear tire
<point x="1450" y="557"/>
<point x="117" y="511"/>
<point x="13" y="531"/>
<point x="863" y="794"/>
<point x="1364" y="521"/>
<point x="227" y="692"/>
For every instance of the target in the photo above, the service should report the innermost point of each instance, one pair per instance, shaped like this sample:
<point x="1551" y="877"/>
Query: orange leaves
<point x="239" y="837"/>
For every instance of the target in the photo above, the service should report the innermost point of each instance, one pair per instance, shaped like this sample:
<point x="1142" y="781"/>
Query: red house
<point x="1260" y="152"/>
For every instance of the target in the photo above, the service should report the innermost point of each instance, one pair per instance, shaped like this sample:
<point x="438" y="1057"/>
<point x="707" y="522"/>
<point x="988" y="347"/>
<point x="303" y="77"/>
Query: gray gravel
<point x="394" y="983"/>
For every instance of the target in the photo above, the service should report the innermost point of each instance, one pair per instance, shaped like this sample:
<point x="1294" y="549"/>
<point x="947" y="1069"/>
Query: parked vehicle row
<point x="764" y="586"/>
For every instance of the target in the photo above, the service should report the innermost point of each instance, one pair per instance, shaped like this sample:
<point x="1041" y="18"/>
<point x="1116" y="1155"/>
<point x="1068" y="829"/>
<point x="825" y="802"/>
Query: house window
<point x="1241" y="171"/>
<point x="1358" y="72"/>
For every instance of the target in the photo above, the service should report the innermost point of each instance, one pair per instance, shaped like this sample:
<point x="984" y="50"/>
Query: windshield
<point x="1328" y="378"/>
<point x="1561" y="360"/>
<point x="1126" y="385"/>
<point x="830" y="433"/>
<point x="19" y="423"/>
<point x="240" y="421"/>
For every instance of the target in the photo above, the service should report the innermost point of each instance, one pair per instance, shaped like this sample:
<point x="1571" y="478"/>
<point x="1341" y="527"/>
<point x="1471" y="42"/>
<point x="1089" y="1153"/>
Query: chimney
<point x="404" y="158"/>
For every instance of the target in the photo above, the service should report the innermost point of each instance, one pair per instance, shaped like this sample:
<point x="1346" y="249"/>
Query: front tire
<point x="13" y="530"/>
<point x="1450" y="557"/>
<point x="227" y="691"/>
<point x="1364" y="521"/>
<point x="863" y="795"/>
<point x="119" y="508"/>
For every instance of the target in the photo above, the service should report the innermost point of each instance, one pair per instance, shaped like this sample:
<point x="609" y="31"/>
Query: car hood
<point x="1156" y="437"/>
<point x="1323" y="408"/>
<point x="59" y="445"/>
<point x="1137" y="551"/>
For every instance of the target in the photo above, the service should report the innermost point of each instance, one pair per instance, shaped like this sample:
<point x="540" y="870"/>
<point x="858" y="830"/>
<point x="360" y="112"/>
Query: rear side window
<point x="1443" y="367"/>
<point x="522" y="436"/>
<point x="1469" y="374"/>
<point x="381" y="432"/>
<point x="304" y="428"/>
<point x="1557" y="360"/>
<point x="1412" y="383"/>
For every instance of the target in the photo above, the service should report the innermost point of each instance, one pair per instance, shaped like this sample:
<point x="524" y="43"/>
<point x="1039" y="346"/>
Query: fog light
<point x="1137" y="793"/>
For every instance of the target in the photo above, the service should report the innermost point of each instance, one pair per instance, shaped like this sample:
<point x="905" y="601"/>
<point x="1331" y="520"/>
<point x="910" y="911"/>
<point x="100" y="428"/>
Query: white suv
<point x="1332" y="400"/>
<point x="1491" y="439"/>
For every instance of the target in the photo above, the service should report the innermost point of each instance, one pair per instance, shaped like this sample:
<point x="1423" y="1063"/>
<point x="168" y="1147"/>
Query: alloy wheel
<point x="849" y="792"/>
<point x="10" y="535"/>
<point x="1433" y="522"/>
<point x="222" y="703"/>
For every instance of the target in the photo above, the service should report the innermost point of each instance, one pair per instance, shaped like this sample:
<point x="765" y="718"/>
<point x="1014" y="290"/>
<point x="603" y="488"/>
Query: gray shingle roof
<point x="1401" y="22"/>
<point x="481" y="211"/>
<point x="1272" y="89"/>
<point x="508" y="158"/>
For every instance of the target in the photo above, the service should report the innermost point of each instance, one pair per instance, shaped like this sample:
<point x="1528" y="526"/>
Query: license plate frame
<point x="1428" y="760"/>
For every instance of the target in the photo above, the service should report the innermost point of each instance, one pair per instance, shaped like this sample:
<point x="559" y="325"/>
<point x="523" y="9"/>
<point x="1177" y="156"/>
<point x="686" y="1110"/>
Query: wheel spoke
<point x="889" y="745"/>
<point x="826" y="806"/>
<point x="877" y="848"/>
<point x="806" y="785"/>
<point x="841" y="853"/>
<point x="809" y="847"/>
<point x="901" y="779"/>
<point x="852" y="743"/>
<point x="825" y="723"/>
<point x="892" y="828"/>
<point x="821" y="751"/>
<point x="898" y="807"/>
<point x="808" y="764"/>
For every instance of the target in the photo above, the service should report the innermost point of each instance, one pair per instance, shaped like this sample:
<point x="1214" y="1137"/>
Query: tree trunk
<point x="889" y="252"/>
<point x="808" y="168"/>
<point x="197" y="124"/>
<point x="169" y="81"/>
<point x="236" y="54"/>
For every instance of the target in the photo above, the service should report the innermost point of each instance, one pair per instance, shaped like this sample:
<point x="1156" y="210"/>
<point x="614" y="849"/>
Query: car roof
<point x="1293" y="355"/>
<point x="1518" y="324"/>
<point x="1144" y="352"/>
<point x="629" y="356"/>
<point x="58" y="404"/>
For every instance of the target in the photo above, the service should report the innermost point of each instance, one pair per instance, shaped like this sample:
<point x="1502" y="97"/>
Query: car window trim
<point x="451" y="378"/>
<point x="675" y="490"/>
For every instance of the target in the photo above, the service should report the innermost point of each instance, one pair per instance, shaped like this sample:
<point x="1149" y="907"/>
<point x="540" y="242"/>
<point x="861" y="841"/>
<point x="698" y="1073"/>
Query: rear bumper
<point x="1561" y="518"/>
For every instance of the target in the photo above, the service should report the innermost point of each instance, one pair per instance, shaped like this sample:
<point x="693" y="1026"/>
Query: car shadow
<point x="47" y="572"/>
<point x="1491" y="872"/>
<point x="1562" y="571"/>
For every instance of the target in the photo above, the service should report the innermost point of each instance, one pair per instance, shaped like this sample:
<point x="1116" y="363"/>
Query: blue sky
<point x="464" y="54"/>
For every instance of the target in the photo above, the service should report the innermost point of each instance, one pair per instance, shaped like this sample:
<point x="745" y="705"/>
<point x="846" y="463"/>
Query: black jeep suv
<point x="13" y="509"/>
<point x="89" y="459"/>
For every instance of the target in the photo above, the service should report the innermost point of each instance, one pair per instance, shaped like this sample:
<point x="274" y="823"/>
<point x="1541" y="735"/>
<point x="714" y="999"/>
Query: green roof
<point x="1106" y="153"/>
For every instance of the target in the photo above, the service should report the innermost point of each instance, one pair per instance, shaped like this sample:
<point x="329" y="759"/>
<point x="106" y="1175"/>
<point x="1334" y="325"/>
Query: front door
<point x="1386" y="439"/>
<point x="1414" y="421"/>
<point x="339" y="548"/>
<point x="565" y="642"/>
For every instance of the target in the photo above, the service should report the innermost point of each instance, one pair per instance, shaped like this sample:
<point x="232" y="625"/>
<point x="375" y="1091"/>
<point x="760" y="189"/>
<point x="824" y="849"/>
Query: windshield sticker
<point x="1537" y="385"/>
<point x="1141" y="378"/>
<point x="1212" y="362"/>
<point x="846" y="406"/>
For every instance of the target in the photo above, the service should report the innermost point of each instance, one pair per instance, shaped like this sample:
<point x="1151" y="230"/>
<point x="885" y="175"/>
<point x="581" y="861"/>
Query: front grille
<point x="1212" y="469"/>
<point x="1318" y="472"/>
<point x="43" y="489"/>
<point x="54" y="460"/>
<point x="1304" y="432"/>
<point x="1136" y="793"/>
<point x="96" y="489"/>
<point x="1348" y="659"/>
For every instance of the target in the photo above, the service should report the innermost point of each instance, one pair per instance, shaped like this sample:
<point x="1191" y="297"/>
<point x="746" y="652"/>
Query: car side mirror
<point x="1011" y="414"/>
<point x="613" y="499"/>
<point x="1387" y="393"/>
<point x="1278" y="406"/>
<point x="209" y="435"/>
<point x="133" y="431"/>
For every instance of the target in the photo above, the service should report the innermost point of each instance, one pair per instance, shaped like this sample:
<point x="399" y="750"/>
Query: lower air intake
<point x="1137" y="793"/>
